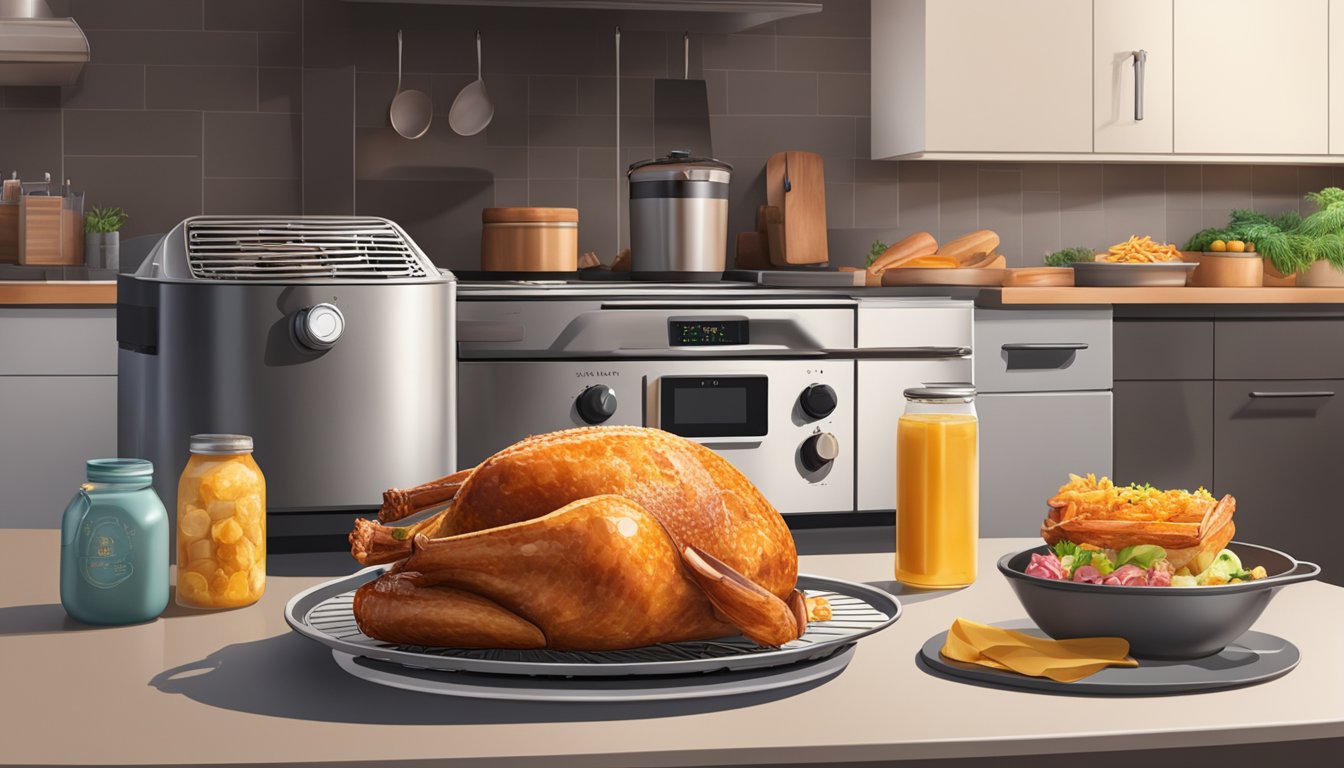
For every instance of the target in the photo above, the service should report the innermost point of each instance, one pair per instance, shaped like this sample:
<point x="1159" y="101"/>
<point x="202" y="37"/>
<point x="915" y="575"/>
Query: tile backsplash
<point x="280" y="106"/>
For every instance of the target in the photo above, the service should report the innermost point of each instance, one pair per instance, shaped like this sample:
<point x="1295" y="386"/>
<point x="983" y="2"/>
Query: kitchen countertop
<point x="34" y="292"/>
<point x="239" y="687"/>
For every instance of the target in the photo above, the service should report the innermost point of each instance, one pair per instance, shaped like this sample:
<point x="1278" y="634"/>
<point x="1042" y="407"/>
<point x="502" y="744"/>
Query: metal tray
<point x="1255" y="657"/>
<point x="324" y="613"/>
<point x="1101" y="274"/>
<point x="630" y="688"/>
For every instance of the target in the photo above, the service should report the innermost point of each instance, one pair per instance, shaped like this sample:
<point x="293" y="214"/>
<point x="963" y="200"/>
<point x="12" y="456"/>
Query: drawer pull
<point x="1320" y="393"/>
<point x="1044" y="346"/>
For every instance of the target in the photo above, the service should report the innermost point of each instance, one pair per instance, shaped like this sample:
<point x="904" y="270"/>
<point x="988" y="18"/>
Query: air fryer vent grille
<point x="301" y="249"/>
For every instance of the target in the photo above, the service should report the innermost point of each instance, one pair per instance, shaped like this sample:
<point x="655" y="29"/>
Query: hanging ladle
<point x="472" y="110"/>
<point x="411" y="111"/>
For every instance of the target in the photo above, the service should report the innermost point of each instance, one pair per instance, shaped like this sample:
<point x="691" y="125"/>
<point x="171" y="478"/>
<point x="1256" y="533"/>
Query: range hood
<point x="36" y="49"/>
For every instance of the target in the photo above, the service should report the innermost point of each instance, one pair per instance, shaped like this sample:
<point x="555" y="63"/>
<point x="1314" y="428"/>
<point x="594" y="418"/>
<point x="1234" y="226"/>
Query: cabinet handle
<point x="1140" y="60"/>
<point x="1319" y="393"/>
<point x="1044" y="346"/>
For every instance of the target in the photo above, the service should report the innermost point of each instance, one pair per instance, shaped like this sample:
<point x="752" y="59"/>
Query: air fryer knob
<point x="818" y="400"/>
<point x="596" y="404"/>
<point x="319" y="327"/>
<point x="819" y="450"/>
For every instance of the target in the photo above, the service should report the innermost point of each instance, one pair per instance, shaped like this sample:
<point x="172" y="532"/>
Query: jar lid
<point x="516" y="215"/>
<point x="936" y="393"/>
<point x="117" y="470"/>
<point x="218" y="445"/>
<point x="679" y="165"/>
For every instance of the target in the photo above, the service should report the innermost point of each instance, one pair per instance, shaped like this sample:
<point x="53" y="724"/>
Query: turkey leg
<point x="400" y="503"/>
<point x="394" y="609"/>
<point x="760" y="615"/>
<point x="374" y="544"/>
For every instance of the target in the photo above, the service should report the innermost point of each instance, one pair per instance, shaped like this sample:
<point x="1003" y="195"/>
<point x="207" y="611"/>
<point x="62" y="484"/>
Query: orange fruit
<point x="1217" y="246"/>
<point x="1236" y="246"/>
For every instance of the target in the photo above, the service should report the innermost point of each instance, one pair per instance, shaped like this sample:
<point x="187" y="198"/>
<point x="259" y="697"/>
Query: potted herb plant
<point x="102" y="238"/>
<point x="1310" y="248"/>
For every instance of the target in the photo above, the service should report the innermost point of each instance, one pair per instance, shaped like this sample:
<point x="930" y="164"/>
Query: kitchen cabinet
<point x="58" y="390"/>
<point x="952" y="76"/>
<point x="987" y="80"/>
<point x="1029" y="442"/>
<point x="1164" y="433"/>
<point x="1230" y="54"/>
<point x="1121" y="29"/>
<point x="1277" y="452"/>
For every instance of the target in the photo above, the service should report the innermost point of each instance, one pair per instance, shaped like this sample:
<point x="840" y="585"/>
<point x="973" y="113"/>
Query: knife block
<point x="40" y="230"/>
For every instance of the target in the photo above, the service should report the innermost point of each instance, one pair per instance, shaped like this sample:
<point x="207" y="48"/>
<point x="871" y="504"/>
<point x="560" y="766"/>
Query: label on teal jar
<point x="106" y="547"/>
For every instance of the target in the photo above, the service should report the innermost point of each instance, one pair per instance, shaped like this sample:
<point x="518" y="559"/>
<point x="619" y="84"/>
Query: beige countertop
<point x="240" y="687"/>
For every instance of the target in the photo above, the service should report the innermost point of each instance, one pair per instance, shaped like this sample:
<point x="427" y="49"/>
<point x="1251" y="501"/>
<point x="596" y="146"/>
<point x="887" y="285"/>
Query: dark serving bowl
<point x="1158" y="622"/>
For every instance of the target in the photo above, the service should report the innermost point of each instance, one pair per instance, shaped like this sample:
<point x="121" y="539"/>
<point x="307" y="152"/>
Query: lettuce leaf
<point x="1142" y="555"/>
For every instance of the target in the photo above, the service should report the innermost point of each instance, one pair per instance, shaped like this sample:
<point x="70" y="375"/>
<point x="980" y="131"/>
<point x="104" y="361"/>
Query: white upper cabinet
<point x="981" y="76"/>
<point x="1253" y="77"/>
<point x="1132" y="104"/>
<point x="1221" y="81"/>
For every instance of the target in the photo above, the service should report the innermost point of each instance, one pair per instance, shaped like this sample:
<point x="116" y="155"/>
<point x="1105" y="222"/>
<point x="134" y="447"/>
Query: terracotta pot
<point x="1321" y="275"/>
<point x="530" y="240"/>
<point x="1228" y="270"/>
<point x="1273" y="278"/>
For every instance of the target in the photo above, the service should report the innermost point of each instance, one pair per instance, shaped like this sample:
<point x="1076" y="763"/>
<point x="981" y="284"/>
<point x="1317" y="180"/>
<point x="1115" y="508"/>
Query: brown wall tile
<point x="919" y="195"/>
<point x="244" y="197"/>
<point x="821" y="54"/>
<point x="280" y="89"/>
<point x="738" y="52"/>
<point x="1000" y="209"/>
<point x="958" y="200"/>
<point x="1226" y="187"/>
<point x="772" y="93"/>
<point x="136" y="14"/>
<point x="553" y="163"/>
<point x="254" y="15"/>
<point x="31" y="97"/>
<point x="440" y="154"/>
<point x="1274" y="188"/>
<point x="876" y="204"/>
<point x="553" y="193"/>
<point x="443" y="217"/>
<point x="329" y="141"/>
<point x="597" y="95"/>
<point x="241" y="145"/>
<point x="843" y="94"/>
<point x="280" y="49"/>
<point x="157" y="192"/>
<point x="552" y="95"/>
<point x="1040" y="228"/>
<point x="840" y="205"/>
<point x="107" y="86"/>
<point x="214" y="88"/>
<point x="32" y="143"/>
<point x="194" y="48"/>
<point x="132" y="132"/>
<point x="838" y="18"/>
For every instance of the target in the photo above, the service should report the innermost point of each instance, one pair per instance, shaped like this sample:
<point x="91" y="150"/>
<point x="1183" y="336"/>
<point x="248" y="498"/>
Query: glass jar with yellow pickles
<point x="937" y="487"/>
<point x="221" y="525"/>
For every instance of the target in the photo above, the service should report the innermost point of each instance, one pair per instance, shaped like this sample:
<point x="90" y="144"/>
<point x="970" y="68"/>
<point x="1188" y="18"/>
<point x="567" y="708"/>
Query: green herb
<point x="878" y="249"/>
<point x="103" y="220"/>
<point x="1142" y="555"/>
<point x="1067" y="256"/>
<point x="1064" y="548"/>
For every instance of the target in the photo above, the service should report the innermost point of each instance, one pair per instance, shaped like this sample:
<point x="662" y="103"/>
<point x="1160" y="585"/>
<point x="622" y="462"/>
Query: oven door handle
<point x="898" y="353"/>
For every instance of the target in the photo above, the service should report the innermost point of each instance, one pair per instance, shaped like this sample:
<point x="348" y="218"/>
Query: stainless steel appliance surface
<point x="329" y="340"/>
<point x="679" y="218"/>
<point x="772" y="379"/>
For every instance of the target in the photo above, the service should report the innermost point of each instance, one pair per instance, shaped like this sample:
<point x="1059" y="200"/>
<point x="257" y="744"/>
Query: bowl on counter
<point x="1106" y="274"/>
<point x="1158" y="622"/>
<point x="1226" y="269"/>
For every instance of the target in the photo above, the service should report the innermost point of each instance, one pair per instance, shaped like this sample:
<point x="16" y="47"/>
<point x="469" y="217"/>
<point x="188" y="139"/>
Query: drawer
<point x="58" y="341"/>
<point x="1042" y="350"/>
<point x="1278" y="349"/>
<point x="1029" y="443"/>
<point x="1162" y="350"/>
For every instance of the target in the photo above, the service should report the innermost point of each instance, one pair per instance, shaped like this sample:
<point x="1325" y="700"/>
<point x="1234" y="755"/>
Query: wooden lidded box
<point x="530" y="240"/>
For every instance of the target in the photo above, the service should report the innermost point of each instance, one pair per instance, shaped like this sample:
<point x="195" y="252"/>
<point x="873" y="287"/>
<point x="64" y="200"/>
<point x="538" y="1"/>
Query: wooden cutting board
<point x="40" y="230"/>
<point x="795" y="183"/>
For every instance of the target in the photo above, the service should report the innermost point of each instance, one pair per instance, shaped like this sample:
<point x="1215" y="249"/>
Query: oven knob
<point x="319" y="326"/>
<point x="596" y="404"/>
<point x="818" y="401"/>
<point x="819" y="450"/>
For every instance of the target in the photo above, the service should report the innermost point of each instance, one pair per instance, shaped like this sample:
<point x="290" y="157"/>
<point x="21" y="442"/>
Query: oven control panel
<point x="788" y="425"/>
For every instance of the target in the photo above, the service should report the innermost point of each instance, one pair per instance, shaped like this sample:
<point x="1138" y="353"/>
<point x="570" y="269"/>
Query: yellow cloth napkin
<point x="1063" y="661"/>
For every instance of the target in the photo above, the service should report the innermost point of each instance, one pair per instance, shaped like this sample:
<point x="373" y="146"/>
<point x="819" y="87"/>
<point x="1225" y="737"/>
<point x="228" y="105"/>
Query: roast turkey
<point x="598" y="538"/>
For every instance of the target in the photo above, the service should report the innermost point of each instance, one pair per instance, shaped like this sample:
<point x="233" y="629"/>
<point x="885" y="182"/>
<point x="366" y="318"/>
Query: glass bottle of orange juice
<point x="937" y="487"/>
<point x="221" y="524"/>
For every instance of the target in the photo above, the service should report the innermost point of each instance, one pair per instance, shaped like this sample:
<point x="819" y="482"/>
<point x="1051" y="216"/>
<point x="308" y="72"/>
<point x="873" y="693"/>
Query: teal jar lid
<point x="118" y="470"/>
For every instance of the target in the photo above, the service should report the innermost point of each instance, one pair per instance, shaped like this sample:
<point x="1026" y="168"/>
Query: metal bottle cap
<point x="221" y="445"/>
<point x="952" y="393"/>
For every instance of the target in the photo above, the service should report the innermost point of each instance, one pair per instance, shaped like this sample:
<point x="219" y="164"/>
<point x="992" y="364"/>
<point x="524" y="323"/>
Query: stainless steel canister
<point x="678" y="218"/>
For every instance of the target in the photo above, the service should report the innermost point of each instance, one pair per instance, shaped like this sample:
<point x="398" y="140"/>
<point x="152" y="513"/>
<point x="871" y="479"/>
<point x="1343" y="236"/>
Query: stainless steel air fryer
<point x="330" y="340"/>
<point x="679" y="218"/>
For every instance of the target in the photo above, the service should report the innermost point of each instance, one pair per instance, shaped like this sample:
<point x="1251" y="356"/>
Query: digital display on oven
<point x="707" y="332"/>
<point x="706" y="406"/>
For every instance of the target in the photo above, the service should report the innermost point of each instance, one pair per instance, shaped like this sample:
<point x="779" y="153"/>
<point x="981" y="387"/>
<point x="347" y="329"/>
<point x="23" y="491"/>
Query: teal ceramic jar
<point x="114" y="546"/>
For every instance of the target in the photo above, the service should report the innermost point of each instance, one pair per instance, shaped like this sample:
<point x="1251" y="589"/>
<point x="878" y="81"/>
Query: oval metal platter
<point x="324" y="613"/>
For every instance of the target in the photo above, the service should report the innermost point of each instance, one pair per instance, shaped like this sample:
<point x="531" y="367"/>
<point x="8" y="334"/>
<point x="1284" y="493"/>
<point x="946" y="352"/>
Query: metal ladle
<point x="411" y="111"/>
<point x="471" y="111"/>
